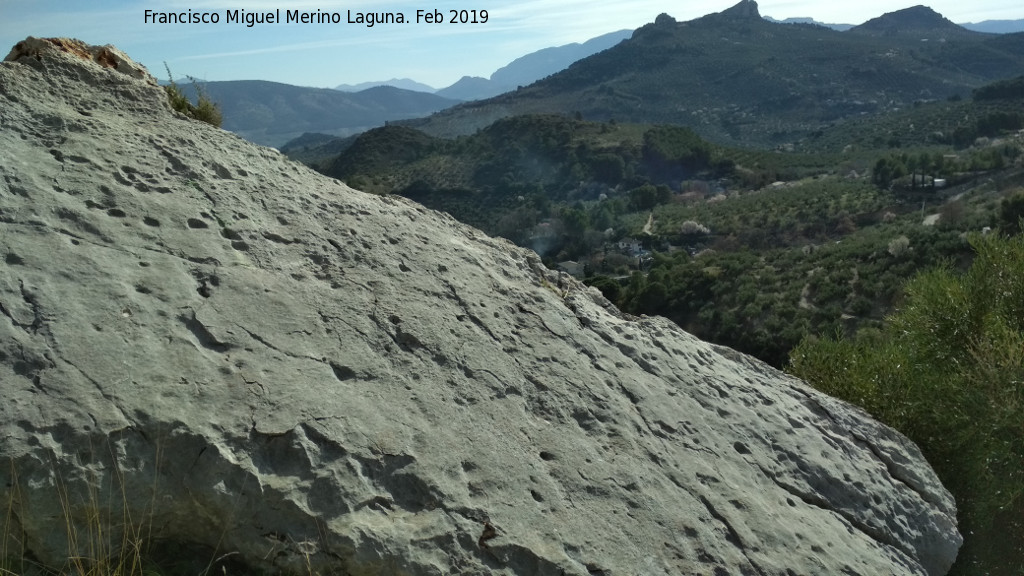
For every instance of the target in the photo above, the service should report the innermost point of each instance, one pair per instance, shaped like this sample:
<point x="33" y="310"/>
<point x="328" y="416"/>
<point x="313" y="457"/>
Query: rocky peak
<point x="664" y="19"/>
<point x="915" y="20"/>
<point x="259" y="363"/>
<point x="745" y="9"/>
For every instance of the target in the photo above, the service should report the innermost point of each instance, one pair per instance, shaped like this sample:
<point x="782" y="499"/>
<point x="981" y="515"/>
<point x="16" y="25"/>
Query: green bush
<point x="1011" y="211"/>
<point x="205" y="109"/>
<point x="947" y="370"/>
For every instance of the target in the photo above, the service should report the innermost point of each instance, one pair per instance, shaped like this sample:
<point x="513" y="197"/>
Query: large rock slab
<point x="246" y="361"/>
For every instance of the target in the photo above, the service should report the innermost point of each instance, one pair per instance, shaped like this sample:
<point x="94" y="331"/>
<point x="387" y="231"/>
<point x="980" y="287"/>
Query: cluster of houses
<point x="632" y="248"/>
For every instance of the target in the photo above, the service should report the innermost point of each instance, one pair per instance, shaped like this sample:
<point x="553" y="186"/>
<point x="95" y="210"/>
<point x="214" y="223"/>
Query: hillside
<point x="313" y="148"/>
<point x="737" y="78"/>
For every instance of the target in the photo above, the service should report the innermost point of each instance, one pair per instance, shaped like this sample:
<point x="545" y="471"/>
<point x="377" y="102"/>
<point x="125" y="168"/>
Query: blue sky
<point x="325" y="55"/>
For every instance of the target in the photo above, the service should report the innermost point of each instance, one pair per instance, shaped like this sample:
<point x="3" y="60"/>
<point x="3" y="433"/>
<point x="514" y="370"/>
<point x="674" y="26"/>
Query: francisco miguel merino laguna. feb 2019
<point x="368" y="19"/>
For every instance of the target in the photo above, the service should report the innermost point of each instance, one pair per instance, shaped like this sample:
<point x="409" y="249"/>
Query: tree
<point x="651" y="298"/>
<point x="643" y="197"/>
<point x="886" y="170"/>
<point x="608" y="168"/>
<point x="924" y="163"/>
<point x="939" y="164"/>
<point x="912" y="165"/>
<point x="575" y="221"/>
<point x="610" y="288"/>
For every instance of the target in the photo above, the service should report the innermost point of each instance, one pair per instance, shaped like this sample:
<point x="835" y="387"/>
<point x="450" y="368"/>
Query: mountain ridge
<point x="271" y="113"/>
<point x="737" y="78"/>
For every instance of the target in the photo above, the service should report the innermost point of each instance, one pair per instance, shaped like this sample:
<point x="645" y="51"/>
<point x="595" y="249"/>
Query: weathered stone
<point x="260" y="362"/>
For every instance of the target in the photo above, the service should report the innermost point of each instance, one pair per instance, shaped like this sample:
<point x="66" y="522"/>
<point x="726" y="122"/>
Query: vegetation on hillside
<point x="1012" y="89"/>
<point x="752" y="249"/>
<point x="947" y="369"/>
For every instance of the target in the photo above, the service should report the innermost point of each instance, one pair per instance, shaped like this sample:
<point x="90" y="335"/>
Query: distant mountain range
<point x="736" y="77"/>
<point x="473" y="88"/>
<point x="997" y="26"/>
<point x="537" y="65"/>
<point x="403" y="83"/>
<point x="987" y="26"/>
<point x="520" y="72"/>
<point x="840" y="27"/>
<point x="270" y="113"/>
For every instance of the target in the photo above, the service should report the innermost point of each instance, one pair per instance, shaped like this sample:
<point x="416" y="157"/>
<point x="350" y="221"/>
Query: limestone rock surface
<point x="244" y="361"/>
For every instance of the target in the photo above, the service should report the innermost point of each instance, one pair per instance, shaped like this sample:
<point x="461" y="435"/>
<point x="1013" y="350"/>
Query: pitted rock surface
<point x="262" y="363"/>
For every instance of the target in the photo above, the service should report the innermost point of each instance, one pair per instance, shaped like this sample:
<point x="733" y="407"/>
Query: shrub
<point x="1011" y="210"/>
<point x="205" y="109"/>
<point x="947" y="371"/>
<point x="899" y="246"/>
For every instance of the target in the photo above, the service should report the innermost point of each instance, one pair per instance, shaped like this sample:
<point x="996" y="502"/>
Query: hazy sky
<point x="326" y="55"/>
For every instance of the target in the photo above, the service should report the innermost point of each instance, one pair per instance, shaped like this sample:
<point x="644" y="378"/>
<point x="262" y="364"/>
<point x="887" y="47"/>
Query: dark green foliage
<point x="610" y="288"/>
<point x="675" y="152"/>
<point x="999" y="122"/>
<point x="313" y="149"/>
<point x="886" y="170"/>
<point x="381" y="148"/>
<point x="1011" y="211"/>
<point x="204" y="110"/>
<point x="648" y="196"/>
<point x="652" y="296"/>
<point x="917" y="171"/>
<point x="501" y="178"/>
<point x="812" y="258"/>
<point x="937" y="123"/>
<point x="947" y="370"/>
<point x="608" y="168"/>
<point x="1012" y="89"/>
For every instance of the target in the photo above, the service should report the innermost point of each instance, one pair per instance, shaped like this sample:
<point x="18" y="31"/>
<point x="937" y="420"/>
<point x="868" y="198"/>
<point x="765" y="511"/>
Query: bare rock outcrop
<point x="244" y="361"/>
